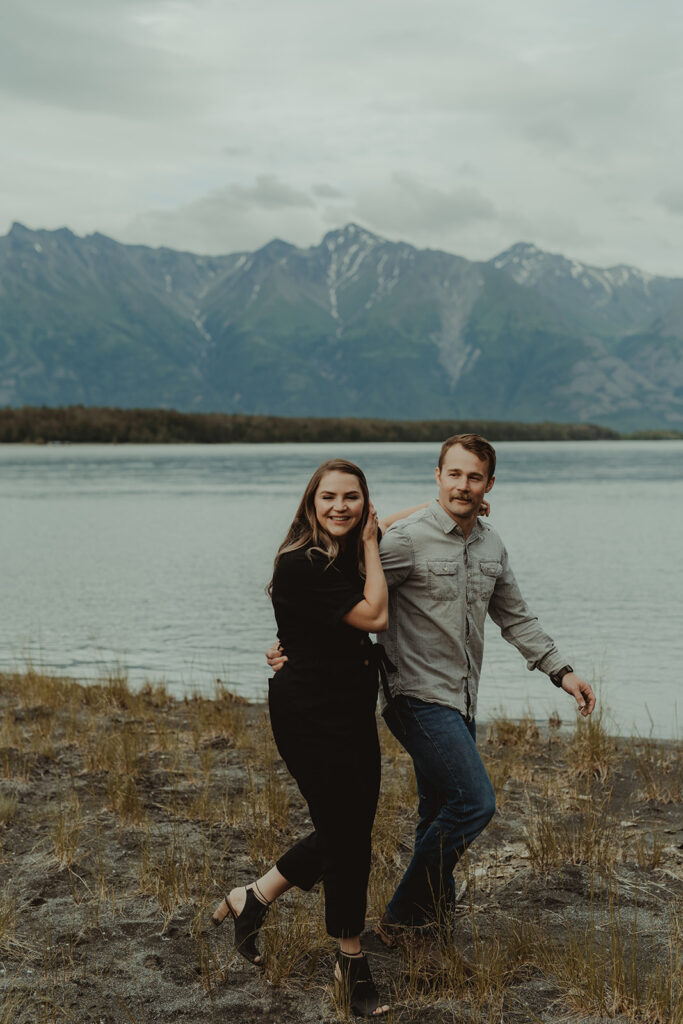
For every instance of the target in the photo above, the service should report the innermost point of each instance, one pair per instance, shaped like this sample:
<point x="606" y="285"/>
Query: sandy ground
<point x="124" y="818"/>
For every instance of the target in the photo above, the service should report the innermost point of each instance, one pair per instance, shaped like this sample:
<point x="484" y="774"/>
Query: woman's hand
<point x="370" y="529"/>
<point x="370" y="614"/>
<point x="484" y="508"/>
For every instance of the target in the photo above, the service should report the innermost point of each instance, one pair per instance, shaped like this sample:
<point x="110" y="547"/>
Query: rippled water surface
<point x="155" y="559"/>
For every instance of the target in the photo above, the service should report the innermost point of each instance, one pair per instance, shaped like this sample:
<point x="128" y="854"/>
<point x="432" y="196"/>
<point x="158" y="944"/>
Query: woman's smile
<point x="339" y="503"/>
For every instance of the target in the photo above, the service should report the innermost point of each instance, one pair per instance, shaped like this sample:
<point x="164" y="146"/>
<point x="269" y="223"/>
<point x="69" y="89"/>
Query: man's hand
<point x="581" y="691"/>
<point x="275" y="656"/>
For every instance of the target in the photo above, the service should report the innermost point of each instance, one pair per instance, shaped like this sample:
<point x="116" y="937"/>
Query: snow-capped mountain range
<point x="354" y="326"/>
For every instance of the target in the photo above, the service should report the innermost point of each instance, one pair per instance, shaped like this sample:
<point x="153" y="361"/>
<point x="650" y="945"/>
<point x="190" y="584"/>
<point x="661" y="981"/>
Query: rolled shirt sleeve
<point x="441" y="586"/>
<point x="397" y="556"/>
<point x="519" y="626"/>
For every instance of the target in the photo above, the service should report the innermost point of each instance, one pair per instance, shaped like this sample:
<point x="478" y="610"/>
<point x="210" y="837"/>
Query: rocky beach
<point x="125" y="815"/>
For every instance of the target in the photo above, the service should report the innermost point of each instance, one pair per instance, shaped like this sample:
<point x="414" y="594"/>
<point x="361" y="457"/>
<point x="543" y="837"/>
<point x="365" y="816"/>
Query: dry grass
<point x="523" y="735"/>
<point x="66" y="834"/>
<point x="8" y="808"/>
<point x="8" y="920"/>
<point x="11" y="1007"/>
<point x="660" y="771"/>
<point x="592" y="753"/>
<point x="603" y="968"/>
<point x="174" y="872"/>
<point x="566" y="828"/>
<point x="295" y="941"/>
<point x="126" y="814"/>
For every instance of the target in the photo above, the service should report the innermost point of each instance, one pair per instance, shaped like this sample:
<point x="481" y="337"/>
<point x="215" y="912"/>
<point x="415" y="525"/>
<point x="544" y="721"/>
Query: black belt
<point x="382" y="664"/>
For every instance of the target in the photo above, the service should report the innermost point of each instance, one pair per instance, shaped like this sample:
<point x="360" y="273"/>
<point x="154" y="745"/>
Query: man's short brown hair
<point x="471" y="443"/>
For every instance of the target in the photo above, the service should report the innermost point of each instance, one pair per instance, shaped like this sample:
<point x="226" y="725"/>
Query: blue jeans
<point x="456" y="803"/>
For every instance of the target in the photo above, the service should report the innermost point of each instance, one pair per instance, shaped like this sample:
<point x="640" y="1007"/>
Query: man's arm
<point x="394" y="517"/>
<point x="519" y="627"/>
<point x="397" y="557"/>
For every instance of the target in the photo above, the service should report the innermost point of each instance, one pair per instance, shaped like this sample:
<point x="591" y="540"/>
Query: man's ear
<point x="437" y="475"/>
<point x="490" y="484"/>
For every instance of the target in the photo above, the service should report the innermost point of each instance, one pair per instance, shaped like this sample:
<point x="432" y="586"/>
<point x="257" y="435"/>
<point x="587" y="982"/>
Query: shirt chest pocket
<point x="489" y="571"/>
<point x="442" y="580"/>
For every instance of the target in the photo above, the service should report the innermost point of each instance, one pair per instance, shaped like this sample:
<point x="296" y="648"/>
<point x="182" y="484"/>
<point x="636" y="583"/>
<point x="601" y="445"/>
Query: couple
<point x="426" y="588"/>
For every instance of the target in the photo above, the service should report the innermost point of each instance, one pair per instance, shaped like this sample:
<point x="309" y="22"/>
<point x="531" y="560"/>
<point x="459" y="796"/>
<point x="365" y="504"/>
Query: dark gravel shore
<point x="124" y="816"/>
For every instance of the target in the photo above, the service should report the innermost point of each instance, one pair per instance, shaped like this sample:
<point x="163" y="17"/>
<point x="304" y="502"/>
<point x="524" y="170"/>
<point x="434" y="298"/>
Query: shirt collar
<point x="449" y="525"/>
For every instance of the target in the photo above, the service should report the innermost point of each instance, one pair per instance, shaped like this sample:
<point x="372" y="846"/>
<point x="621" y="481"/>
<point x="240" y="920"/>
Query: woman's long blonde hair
<point x="306" y="531"/>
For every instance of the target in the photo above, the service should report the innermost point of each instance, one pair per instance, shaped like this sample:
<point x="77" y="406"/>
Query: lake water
<point x="155" y="559"/>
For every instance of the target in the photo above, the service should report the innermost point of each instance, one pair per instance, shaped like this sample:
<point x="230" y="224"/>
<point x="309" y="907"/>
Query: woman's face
<point x="338" y="503"/>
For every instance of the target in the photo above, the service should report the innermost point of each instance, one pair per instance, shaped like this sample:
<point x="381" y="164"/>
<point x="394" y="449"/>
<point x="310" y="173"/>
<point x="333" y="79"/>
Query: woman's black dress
<point x="322" y="710"/>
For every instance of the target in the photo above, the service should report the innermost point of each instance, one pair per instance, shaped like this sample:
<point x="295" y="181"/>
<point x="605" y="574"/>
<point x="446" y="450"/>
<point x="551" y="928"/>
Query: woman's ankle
<point x="256" y="889"/>
<point x="350" y="947"/>
<point x="270" y="886"/>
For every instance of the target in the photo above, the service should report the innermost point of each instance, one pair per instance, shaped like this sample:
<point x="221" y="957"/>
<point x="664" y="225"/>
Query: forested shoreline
<point x="77" y="424"/>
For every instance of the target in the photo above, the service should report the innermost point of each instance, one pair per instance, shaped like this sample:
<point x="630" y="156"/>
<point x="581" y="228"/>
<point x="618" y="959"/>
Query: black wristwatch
<point x="557" y="677"/>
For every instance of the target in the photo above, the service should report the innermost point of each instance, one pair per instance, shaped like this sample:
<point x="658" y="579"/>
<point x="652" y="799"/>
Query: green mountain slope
<point x="355" y="326"/>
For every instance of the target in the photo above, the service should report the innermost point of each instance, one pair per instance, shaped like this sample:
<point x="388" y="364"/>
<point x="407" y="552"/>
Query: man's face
<point x="463" y="482"/>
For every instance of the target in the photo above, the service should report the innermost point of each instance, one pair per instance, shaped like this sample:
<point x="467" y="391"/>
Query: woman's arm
<point x="372" y="613"/>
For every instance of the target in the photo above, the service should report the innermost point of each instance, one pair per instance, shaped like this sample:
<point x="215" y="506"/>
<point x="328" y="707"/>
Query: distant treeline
<point x="81" y="424"/>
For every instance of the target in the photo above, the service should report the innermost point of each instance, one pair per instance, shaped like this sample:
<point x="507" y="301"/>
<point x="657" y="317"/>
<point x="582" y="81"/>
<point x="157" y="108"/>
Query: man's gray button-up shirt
<point x="440" y="588"/>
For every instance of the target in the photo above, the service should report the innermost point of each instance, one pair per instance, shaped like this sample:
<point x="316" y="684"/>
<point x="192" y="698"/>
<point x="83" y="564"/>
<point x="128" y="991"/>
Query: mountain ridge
<point x="354" y="326"/>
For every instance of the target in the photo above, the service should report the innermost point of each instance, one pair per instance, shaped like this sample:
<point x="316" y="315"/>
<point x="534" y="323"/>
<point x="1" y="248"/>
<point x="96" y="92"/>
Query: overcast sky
<point x="216" y="125"/>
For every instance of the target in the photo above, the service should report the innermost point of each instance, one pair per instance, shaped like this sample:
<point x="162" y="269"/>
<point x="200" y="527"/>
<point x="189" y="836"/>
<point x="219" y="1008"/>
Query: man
<point x="446" y="569"/>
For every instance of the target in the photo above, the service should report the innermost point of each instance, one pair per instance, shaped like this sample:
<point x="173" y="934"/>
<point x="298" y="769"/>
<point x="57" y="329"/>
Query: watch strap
<point x="557" y="677"/>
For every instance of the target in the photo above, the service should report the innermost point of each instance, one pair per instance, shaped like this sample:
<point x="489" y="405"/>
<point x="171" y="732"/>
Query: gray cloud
<point x="464" y="126"/>
<point x="671" y="199"/>
<point x="324" y="191"/>
<point x="268" y="193"/>
<point x="94" y="57"/>
<point x="550" y="134"/>
<point x="420" y="210"/>
<point x="230" y="219"/>
<point x="237" y="216"/>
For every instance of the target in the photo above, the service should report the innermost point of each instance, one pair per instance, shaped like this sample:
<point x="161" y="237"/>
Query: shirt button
<point x="366" y="663"/>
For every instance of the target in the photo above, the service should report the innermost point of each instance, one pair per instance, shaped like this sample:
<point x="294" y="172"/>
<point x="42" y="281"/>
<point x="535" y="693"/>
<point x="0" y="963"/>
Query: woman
<point x="328" y="592"/>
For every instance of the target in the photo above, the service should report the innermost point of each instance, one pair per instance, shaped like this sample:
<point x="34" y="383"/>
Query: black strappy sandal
<point x="355" y="989"/>
<point x="247" y="923"/>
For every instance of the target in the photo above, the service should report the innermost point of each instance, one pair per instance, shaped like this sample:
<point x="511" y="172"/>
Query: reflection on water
<point x="155" y="558"/>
